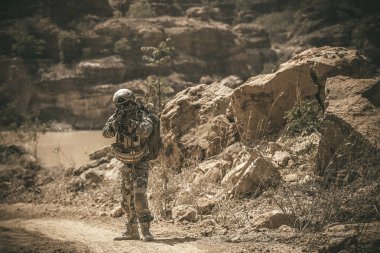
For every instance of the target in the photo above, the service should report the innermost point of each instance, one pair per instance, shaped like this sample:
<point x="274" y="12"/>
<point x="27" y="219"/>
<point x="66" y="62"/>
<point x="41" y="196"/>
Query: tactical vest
<point x="129" y="148"/>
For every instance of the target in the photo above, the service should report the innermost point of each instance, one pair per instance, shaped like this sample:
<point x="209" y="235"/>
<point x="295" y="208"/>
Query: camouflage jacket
<point x="131" y="143"/>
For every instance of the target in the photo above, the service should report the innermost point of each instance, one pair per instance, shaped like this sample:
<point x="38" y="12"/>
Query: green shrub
<point x="303" y="119"/>
<point x="122" y="47"/>
<point x="69" y="46"/>
<point x="27" y="45"/>
<point x="156" y="56"/>
<point x="141" y="9"/>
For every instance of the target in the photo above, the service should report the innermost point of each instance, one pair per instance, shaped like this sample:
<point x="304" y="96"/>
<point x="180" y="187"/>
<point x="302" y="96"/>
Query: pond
<point x="69" y="148"/>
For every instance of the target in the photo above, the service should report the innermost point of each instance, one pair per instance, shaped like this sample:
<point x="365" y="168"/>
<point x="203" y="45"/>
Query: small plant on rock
<point x="156" y="57"/>
<point x="303" y="119"/>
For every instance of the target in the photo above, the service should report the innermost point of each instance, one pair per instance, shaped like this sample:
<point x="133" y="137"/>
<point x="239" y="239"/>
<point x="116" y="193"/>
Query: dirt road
<point x="53" y="228"/>
<point x="96" y="239"/>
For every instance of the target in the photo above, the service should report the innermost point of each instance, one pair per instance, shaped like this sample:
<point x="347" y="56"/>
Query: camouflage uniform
<point x="131" y="148"/>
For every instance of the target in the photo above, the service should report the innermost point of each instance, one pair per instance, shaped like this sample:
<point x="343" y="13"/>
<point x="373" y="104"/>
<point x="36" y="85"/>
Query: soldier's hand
<point x="133" y="123"/>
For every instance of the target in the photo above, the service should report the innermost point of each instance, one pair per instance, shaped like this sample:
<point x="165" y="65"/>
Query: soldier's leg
<point x="140" y="183"/>
<point x="127" y="204"/>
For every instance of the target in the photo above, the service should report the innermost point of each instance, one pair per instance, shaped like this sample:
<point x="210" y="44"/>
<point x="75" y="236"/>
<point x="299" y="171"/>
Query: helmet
<point x="123" y="96"/>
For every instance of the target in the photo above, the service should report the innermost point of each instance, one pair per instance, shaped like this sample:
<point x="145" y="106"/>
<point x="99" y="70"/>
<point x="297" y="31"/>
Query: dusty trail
<point x="97" y="239"/>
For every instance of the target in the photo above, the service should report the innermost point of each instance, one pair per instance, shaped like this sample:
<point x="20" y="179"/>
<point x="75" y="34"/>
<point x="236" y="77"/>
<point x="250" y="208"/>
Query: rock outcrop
<point x="260" y="104"/>
<point x="201" y="47"/>
<point x="350" y="142"/>
<point x="184" y="213"/>
<point x="273" y="220"/>
<point x="195" y="124"/>
<point x="252" y="177"/>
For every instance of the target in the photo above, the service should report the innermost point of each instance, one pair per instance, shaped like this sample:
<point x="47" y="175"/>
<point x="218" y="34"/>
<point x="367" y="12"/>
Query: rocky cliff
<point x="212" y="41"/>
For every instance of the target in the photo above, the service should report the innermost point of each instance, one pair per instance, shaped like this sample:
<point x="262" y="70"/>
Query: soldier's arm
<point x="144" y="128"/>
<point x="108" y="129"/>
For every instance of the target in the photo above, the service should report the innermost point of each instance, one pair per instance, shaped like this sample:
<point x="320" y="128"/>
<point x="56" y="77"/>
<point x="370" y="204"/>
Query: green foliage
<point x="141" y="9"/>
<point x="159" y="91"/>
<point x="69" y="46"/>
<point x="27" y="45"/>
<point x="303" y="119"/>
<point x="122" y="47"/>
<point x="155" y="57"/>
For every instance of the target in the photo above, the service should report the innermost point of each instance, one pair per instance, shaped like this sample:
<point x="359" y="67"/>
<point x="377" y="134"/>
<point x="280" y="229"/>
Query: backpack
<point x="154" y="140"/>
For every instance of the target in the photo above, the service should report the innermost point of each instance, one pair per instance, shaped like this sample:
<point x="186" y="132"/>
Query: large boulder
<point x="350" y="138"/>
<point x="260" y="104"/>
<point x="184" y="213"/>
<point x="252" y="177"/>
<point x="273" y="220"/>
<point x="195" y="125"/>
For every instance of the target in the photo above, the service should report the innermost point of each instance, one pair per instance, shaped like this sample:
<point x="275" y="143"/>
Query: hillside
<point x="270" y="123"/>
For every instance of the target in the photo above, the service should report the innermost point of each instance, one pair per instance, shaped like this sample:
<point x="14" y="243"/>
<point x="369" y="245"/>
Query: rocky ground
<point x="285" y="162"/>
<point x="270" y="124"/>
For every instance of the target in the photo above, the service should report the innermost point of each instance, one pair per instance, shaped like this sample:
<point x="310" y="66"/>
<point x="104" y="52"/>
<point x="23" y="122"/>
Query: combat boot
<point x="132" y="233"/>
<point x="146" y="235"/>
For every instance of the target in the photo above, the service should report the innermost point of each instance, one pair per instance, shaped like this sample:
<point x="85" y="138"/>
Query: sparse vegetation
<point x="163" y="186"/>
<point x="303" y="119"/>
<point x="69" y="46"/>
<point x="27" y="45"/>
<point x="155" y="57"/>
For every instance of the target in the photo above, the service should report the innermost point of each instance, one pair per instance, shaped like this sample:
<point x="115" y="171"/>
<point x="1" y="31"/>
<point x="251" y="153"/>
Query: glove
<point x="133" y="123"/>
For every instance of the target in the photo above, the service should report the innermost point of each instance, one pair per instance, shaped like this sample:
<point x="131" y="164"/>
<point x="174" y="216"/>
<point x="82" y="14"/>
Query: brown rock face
<point x="200" y="47"/>
<point x="273" y="220"/>
<point x="252" y="177"/>
<point x="351" y="138"/>
<point x="109" y="69"/>
<point x="195" y="125"/>
<point x="259" y="104"/>
<point x="69" y="96"/>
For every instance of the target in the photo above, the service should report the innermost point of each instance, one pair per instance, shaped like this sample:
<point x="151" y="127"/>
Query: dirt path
<point x="32" y="228"/>
<point x="97" y="239"/>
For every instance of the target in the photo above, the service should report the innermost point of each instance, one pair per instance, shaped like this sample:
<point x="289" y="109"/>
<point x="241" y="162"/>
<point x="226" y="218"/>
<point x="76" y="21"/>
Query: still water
<point x="69" y="148"/>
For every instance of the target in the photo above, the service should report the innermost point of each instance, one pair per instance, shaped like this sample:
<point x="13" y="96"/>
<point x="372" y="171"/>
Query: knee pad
<point x="140" y="201"/>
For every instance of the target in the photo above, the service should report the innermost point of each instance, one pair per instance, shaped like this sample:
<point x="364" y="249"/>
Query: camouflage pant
<point x="133" y="191"/>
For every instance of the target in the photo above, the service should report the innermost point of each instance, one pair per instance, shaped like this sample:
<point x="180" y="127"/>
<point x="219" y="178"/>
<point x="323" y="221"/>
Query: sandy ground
<point x="51" y="228"/>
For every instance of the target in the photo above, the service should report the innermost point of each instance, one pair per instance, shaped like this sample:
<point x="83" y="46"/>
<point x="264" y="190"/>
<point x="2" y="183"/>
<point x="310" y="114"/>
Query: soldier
<point x="132" y="126"/>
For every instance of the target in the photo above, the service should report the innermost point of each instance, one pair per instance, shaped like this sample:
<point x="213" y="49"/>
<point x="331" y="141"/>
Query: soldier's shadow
<point x="175" y="240"/>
